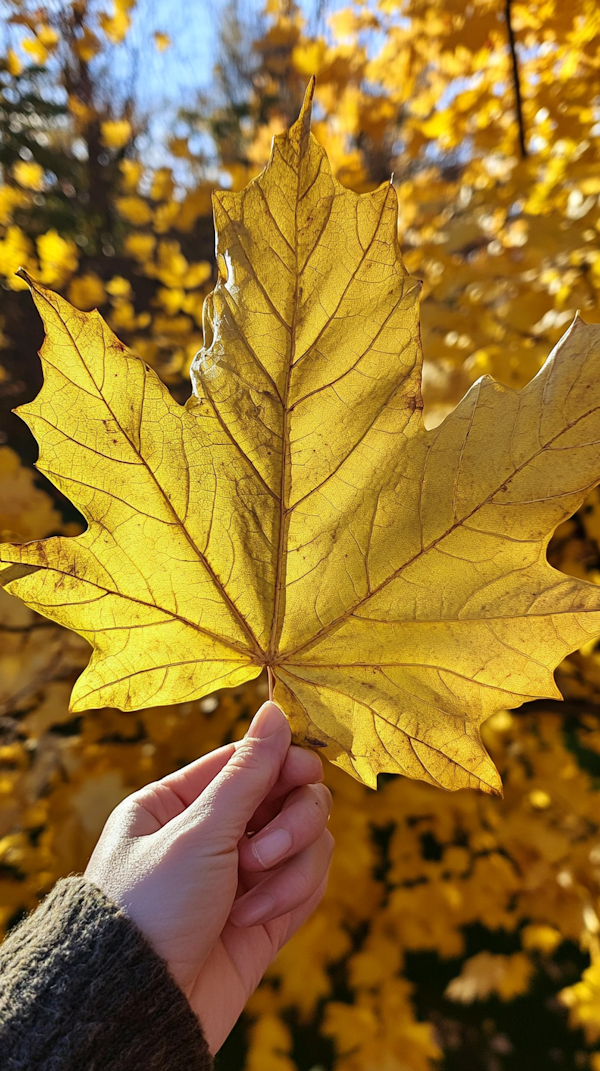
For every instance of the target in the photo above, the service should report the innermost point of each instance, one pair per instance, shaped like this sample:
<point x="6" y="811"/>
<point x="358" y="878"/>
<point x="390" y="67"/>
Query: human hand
<point x="216" y="902"/>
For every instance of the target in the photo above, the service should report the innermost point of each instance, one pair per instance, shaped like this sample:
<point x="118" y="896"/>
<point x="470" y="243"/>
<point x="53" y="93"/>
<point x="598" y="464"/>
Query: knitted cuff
<point x="82" y="990"/>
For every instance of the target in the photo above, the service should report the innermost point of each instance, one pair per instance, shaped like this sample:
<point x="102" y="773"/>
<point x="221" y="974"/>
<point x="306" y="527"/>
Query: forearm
<point x="82" y="990"/>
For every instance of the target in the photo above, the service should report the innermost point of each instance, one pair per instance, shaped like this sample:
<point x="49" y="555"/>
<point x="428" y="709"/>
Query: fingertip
<point x="268" y="721"/>
<point x="300" y="823"/>
<point x="303" y="767"/>
<point x="317" y="765"/>
<point x="252" y="912"/>
<point x="271" y="848"/>
<point x="286" y="888"/>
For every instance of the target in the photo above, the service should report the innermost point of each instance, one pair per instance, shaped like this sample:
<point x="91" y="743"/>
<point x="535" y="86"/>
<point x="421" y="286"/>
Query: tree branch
<point x="516" y="80"/>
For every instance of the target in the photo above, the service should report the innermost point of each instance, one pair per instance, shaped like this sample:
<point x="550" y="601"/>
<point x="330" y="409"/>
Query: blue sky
<point x="193" y="27"/>
<point x="187" y="65"/>
<point x="163" y="81"/>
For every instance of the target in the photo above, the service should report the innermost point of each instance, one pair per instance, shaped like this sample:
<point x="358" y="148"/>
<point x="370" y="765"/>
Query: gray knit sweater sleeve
<point x="82" y="990"/>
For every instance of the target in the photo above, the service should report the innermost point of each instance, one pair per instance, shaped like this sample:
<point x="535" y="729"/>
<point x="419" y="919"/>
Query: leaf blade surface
<point x="296" y="514"/>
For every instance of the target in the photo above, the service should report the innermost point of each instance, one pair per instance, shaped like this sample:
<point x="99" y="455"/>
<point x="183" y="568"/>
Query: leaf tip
<point x="493" y="785"/>
<point x="22" y="274"/>
<point x="310" y="93"/>
<point x="578" y="321"/>
<point x="299" y="133"/>
<point x="77" y="703"/>
<point x="306" y="109"/>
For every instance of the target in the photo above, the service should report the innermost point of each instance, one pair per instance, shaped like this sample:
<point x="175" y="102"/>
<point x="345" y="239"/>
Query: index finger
<point x="178" y="790"/>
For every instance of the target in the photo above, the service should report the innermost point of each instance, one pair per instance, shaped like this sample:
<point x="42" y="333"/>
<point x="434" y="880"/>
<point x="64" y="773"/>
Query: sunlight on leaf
<point x="296" y="514"/>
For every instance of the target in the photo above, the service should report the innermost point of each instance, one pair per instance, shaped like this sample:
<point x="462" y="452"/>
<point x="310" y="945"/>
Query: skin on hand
<point x="219" y="863"/>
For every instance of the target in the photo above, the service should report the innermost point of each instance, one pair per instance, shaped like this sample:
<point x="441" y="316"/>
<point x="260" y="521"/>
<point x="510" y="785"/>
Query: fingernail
<point x="272" y="847"/>
<point x="269" y="720"/>
<point x="253" y="911"/>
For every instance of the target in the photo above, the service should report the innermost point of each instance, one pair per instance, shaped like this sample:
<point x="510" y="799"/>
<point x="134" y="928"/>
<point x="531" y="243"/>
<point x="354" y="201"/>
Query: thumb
<point x="235" y="793"/>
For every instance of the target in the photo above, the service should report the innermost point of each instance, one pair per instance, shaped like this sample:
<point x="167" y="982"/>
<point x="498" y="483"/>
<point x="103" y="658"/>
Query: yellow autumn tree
<point x="456" y="928"/>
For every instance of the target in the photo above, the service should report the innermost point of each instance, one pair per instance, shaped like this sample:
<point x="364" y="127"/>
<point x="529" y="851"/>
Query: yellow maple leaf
<point x="116" y="133"/>
<point x="29" y="174"/>
<point x="15" y="251"/>
<point x="26" y="512"/>
<point x="58" y="257"/>
<point x="47" y="35"/>
<point x="296" y="514"/>
<point x="134" y="209"/>
<point x="13" y="63"/>
<point x="583" y="1001"/>
<point x="140" y="246"/>
<point x="30" y="650"/>
<point x="132" y="171"/>
<point x="82" y="112"/>
<point x="540" y="937"/>
<point x="10" y="198"/>
<point x="309" y="56"/>
<point x="270" y="1044"/>
<point x="87" y="46"/>
<point x="485" y="973"/>
<point x="115" y="26"/>
<point x="119" y="287"/>
<point x="87" y="291"/>
<point x="36" y="49"/>
<point x="162" y="41"/>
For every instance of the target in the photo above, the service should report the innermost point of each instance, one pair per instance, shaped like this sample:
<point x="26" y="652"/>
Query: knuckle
<point x="247" y="757"/>
<point x="139" y="796"/>
<point x="122" y="816"/>
<point x="126" y="807"/>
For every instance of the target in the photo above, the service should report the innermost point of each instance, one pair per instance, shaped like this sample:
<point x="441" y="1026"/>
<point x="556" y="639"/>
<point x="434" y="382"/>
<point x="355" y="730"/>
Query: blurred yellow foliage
<point x="13" y="63"/>
<point x="483" y="974"/>
<point x="10" y="199"/>
<point x="26" y="512"/>
<point x="117" y="24"/>
<point x="16" y="251"/>
<point x="36" y="49"/>
<point x="116" y="133"/>
<point x="87" y="46"/>
<point x="134" y="209"/>
<point x="583" y="1000"/>
<point x="162" y="41"/>
<point x="87" y="291"/>
<point x="29" y="174"/>
<point x="58" y="258"/>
